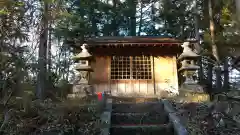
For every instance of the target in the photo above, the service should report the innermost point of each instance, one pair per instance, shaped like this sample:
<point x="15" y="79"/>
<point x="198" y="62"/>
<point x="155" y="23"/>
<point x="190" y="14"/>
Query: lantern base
<point x="190" y="96"/>
<point x="192" y="93"/>
<point x="81" y="90"/>
<point x="190" y="81"/>
<point x="83" y="82"/>
<point x="192" y="86"/>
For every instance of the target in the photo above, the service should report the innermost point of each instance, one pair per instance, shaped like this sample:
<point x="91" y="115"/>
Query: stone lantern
<point x="188" y="59"/>
<point x="190" y="89"/>
<point x="81" y="86"/>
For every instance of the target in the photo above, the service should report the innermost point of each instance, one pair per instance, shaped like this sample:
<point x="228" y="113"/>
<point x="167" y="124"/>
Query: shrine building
<point x="134" y="66"/>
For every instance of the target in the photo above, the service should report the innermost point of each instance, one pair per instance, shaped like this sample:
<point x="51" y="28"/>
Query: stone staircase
<point x="140" y="119"/>
<point x="155" y="117"/>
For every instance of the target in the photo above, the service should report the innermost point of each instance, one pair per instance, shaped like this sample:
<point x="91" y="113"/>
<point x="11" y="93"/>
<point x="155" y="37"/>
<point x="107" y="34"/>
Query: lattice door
<point x="128" y="67"/>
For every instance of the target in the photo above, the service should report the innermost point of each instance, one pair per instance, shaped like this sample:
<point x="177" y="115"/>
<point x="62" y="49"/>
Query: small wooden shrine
<point x="131" y="66"/>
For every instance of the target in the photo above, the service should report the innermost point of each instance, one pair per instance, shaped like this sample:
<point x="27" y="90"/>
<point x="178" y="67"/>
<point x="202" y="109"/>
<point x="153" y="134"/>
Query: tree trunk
<point x="65" y="62"/>
<point x="42" y="54"/>
<point x="197" y="46"/>
<point x="209" y="75"/>
<point x="132" y="6"/>
<point x="214" y="46"/>
<point x="49" y="49"/>
<point x="183" y="36"/>
<point x="58" y="56"/>
<point x="212" y="31"/>
<point x="141" y="19"/>
<point x="218" y="79"/>
<point x="68" y="69"/>
<point x="226" y="74"/>
<point x="94" y="31"/>
<point x="114" y="26"/>
<point x="237" y="2"/>
<point x="49" y="56"/>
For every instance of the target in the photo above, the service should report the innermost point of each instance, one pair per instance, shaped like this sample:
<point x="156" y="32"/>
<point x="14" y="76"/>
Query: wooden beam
<point x="131" y="44"/>
<point x="134" y="50"/>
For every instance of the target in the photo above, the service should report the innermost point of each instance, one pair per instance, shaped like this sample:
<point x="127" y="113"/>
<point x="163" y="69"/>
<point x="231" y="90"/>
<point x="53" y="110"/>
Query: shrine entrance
<point x="132" y="75"/>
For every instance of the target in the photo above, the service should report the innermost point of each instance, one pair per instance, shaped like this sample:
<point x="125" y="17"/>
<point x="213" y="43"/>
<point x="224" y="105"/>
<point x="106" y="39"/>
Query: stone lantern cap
<point x="189" y="68"/>
<point x="80" y="67"/>
<point x="187" y="52"/>
<point x="188" y="65"/>
<point x="84" y="55"/>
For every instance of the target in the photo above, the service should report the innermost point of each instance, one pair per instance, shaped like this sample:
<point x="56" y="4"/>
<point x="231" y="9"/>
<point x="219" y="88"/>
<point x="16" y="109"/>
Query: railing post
<point x="106" y="117"/>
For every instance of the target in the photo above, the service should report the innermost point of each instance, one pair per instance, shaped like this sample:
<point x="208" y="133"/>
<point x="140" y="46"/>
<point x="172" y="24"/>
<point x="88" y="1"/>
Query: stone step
<point x="131" y="126"/>
<point x="145" y="118"/>
<point x="129" y="114"/>
<point x="134" y="100"/>
<point x="141" y="103"/>
<point x="154" y="118"/>
<point x="138" y="108"/>
<point x="142" y="130"/>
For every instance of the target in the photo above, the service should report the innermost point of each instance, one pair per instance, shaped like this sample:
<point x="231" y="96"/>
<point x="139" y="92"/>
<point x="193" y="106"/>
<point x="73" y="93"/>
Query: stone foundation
<point x="80" y="91"/>
<point x="192" y="96"/>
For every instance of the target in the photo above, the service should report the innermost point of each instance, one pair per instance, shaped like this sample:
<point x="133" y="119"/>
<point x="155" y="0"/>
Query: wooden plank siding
<point x="164" y="68"/>
<point x="100" y="77"/>
<point x="165" y="73"/>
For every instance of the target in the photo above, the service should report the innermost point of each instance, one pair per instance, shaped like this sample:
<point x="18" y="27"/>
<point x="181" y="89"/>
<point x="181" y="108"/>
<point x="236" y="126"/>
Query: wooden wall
<point x="100" y="77"/>
<point x="165" y="73"/>
<point x="164" y="76"/>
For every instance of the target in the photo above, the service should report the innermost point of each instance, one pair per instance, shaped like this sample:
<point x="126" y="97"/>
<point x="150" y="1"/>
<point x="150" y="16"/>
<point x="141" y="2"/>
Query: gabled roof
<point x="133" y="41"/>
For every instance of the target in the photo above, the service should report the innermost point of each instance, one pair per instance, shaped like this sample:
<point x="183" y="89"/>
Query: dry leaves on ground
<point x="53" y="117"/>
<point x="209" y="118"/>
